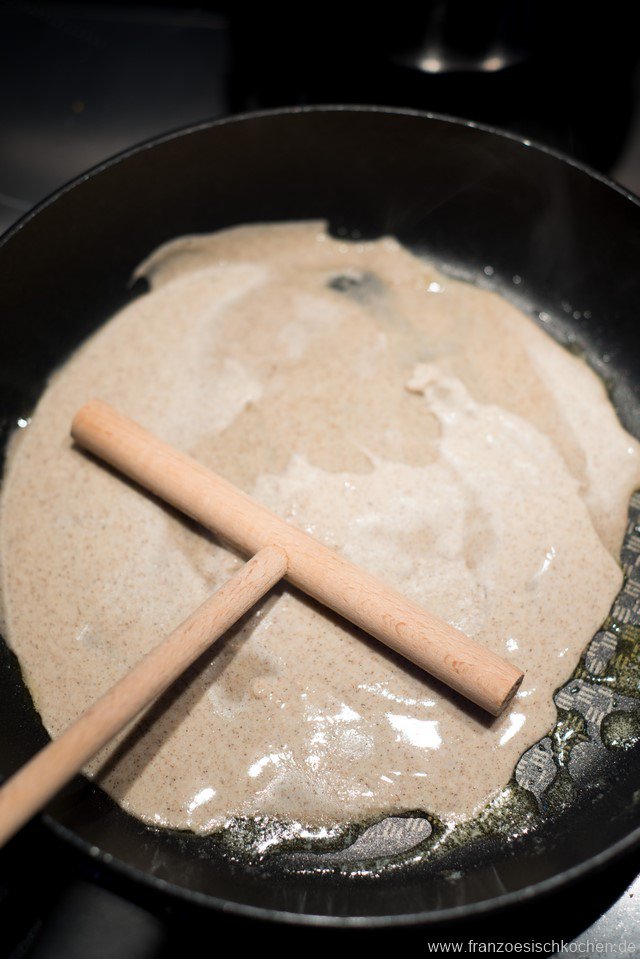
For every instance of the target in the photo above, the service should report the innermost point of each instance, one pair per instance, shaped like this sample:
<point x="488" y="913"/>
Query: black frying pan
<point x="468" y="197"/>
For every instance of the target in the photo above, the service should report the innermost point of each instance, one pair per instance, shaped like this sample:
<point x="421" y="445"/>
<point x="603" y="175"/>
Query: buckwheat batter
<point x="424" y="427"/>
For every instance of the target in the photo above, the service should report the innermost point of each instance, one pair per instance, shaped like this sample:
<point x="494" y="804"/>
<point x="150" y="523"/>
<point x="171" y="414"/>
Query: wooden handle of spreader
<point x="40" y="779"/>
<point x="443" y="651"/>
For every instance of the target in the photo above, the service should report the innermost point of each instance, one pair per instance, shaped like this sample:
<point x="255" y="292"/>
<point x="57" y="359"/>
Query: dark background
<point x="81" y="81"/>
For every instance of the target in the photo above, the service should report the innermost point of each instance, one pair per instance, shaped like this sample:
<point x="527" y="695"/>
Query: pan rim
<point x="207" y="124"/>
<point x="430" y="917"/>
<point x="117" y="866"/>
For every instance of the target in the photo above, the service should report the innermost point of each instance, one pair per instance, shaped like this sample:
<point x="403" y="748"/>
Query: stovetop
<point x="78" y="83"/>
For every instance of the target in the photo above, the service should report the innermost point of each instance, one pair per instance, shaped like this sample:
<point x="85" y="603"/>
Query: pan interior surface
<point x="561" y="243"/>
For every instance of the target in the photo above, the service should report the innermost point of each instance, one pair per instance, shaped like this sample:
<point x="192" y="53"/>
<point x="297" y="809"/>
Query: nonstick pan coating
<point x="481" y="204"/>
